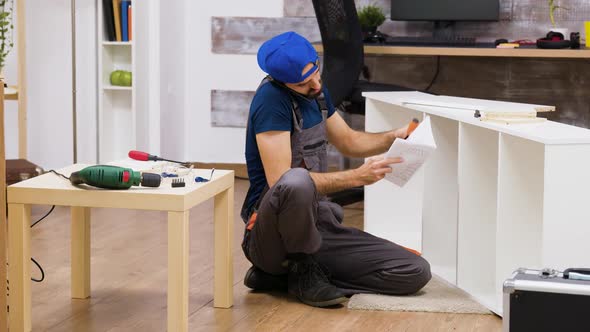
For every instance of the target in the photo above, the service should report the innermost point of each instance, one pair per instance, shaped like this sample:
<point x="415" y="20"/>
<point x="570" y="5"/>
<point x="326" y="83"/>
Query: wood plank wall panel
<point x="510" y="10"/>
<point x="244" y="35"/>
<point x="304" y="8"/>
<point x="230" y="108"/>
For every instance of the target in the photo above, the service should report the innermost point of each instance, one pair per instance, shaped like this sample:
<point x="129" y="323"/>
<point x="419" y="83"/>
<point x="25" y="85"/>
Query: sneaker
<point x="309" y="283"/>
<point x="259" y="280"/>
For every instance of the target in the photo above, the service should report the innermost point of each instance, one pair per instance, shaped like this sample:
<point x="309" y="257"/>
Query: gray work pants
<point x="292" y="219"/>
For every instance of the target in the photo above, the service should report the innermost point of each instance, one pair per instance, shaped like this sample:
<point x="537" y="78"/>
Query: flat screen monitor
<point x="445" y="10"/>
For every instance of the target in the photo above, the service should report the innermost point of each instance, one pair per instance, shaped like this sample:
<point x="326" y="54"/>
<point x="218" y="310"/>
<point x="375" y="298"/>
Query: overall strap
<point x="297" y="117"/>
<point x="323" y="105"/>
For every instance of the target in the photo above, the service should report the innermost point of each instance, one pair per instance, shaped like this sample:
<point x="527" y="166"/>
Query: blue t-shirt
<point x="272" y="110"/>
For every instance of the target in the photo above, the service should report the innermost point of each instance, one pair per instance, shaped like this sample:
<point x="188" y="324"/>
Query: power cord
<point x="38" y="221"/>
<point x="32" y="259"/>
<point x="435" y="74"/>
<point x="33" y="225"/>
<point x="63" y="176"/>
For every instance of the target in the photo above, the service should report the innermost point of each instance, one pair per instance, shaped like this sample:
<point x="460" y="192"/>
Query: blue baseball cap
<point x="283" y="57"/>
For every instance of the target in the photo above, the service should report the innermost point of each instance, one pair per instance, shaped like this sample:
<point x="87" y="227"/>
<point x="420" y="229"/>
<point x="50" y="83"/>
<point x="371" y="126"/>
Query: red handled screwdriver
<point x="144" y="156"/>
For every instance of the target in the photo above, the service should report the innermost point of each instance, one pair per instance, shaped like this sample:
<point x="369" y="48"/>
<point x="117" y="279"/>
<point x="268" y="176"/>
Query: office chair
<point x="342" y="41"/>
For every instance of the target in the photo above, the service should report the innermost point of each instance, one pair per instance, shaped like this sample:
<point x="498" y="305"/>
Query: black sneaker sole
<point x="270" y="286"/>
<point x="323" y="304"/>
<point x="247" y="277"/>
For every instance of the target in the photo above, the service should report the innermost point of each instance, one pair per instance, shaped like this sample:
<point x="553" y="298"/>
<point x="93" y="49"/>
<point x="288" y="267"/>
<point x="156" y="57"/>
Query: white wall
<point x="172" y="73"/>
<point x="205" y="71"/>
<point x="49" y="84"/>
<point x="49" y="102"/>
<point x="189" y="71"/>
<point x="86" y="80"/>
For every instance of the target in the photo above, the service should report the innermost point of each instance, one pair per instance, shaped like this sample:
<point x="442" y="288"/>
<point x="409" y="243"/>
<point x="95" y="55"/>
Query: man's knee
<point x="411" y="279"/>
<point x="297" y="183"/>
<point x="421" y="277"/>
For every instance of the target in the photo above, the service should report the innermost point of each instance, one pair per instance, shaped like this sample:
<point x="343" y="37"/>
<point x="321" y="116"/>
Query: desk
<point x="50" y="189"/>
<point x="526" y="52"/>
<point x="492" y="198"/>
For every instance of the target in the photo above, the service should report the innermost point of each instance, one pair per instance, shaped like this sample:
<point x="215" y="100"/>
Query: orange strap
<point x="252" y="221"/>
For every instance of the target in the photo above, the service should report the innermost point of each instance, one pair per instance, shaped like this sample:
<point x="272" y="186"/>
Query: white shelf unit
<point x="128" y="117"/>
<point x="491" y="199"/>
<point x="117" y="114"/>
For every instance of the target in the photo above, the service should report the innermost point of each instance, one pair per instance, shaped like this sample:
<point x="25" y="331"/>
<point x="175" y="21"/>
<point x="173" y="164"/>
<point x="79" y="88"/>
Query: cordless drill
<point x="114" y="177"/>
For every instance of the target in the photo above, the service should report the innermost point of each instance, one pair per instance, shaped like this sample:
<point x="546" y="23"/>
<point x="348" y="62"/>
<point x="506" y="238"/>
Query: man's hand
<point x="401" y="132"/>
<point x="405" y="131"/>
<point x="374" y="169"/>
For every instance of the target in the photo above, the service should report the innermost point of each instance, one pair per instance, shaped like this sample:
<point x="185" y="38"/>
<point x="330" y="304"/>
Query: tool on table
<point x="144" y="156"/>
<point x="202" y="179"/>
<point x="169" y="175"/>
<point x="114" y="177"/>
<point x="412" y="126"/>
<point x="577" y="273"/>
<point x="178" y="182"/>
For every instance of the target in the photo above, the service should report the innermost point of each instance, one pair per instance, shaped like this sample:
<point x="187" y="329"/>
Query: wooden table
<point x="522" y="52"/>
<point x="50" y="189"/>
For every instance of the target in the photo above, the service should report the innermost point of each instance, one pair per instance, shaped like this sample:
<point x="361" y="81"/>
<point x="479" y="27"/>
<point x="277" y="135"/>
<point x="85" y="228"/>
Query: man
<point x="294" y="237"/>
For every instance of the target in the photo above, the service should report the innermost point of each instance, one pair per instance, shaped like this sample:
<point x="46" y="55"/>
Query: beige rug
<point x="436" y="296"/>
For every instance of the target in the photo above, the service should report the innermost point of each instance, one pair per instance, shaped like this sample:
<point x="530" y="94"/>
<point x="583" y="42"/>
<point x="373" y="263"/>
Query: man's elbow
<point x="271" y="180"/>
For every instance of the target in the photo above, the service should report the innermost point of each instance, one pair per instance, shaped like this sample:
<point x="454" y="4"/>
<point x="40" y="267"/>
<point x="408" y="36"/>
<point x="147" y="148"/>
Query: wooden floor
<point x="129" y="281"/>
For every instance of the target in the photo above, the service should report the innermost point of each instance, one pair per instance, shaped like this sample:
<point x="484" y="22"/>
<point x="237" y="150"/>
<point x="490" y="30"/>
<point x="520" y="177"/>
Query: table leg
<point x="224" y="237"/>
<point x="178" y="252"/>
<point x="80" y="252"/>
<point x="19" y="269"/>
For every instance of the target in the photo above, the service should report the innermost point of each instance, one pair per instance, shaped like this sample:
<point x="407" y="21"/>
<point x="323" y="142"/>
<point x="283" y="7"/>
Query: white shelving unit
<point x="491" y="199"/>
<point x="127" y="116"/>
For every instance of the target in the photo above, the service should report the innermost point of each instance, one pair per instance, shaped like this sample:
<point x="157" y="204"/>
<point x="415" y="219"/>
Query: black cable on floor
<point x="40" y="269"/>
<point x="435" y="74"/>
<point x="34" y="261"/>
<point x="38" y="221"/>
<point x="35" y="223"/>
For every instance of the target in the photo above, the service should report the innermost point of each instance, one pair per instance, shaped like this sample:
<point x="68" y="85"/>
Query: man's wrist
<point x="354" y="178"/>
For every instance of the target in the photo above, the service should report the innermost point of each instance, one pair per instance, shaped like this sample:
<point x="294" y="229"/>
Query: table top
<point x="51" y="189"/>
<point x="547" y="132"/>
<point x="521" y="52"/>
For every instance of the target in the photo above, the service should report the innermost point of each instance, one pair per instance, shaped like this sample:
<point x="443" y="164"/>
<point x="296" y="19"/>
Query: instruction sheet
<point x="414" y="151"/>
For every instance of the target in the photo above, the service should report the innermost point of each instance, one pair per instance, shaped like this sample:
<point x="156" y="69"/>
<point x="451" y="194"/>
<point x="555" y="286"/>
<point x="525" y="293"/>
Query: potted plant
<point x="553" y="6"/>
<point x="370" y="18"/>
<point x="6" y="32"/>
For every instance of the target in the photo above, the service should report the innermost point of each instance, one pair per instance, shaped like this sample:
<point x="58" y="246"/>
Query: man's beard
<point x="314" y="95"/>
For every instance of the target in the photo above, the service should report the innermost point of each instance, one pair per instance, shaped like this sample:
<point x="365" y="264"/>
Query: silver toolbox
<point x="547" y="300"/>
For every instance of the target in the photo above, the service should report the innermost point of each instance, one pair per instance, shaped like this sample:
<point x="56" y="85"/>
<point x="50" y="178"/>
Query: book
<point x="129" y="10"/>
<point x="117" y="18"/>
<point x="109" y="22"/>
<point x="124" y="21"/>
<point x="414" y="151"/>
